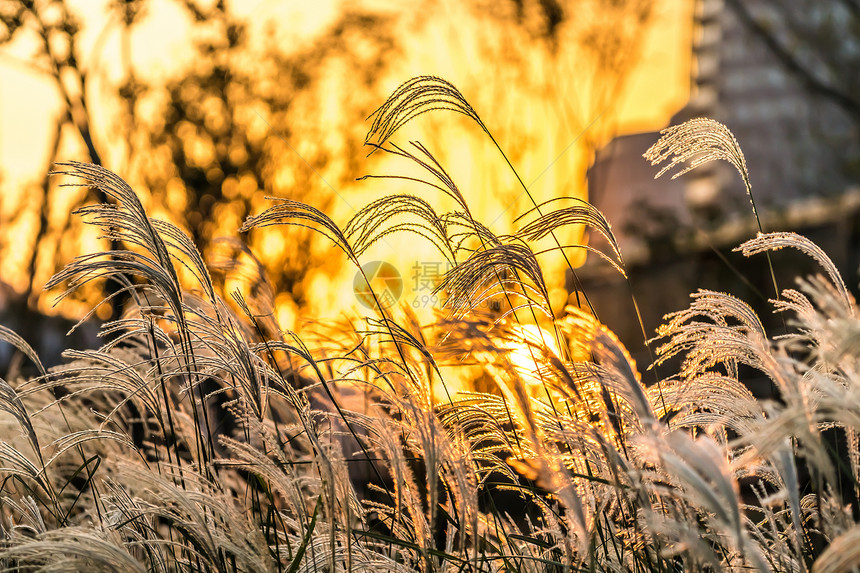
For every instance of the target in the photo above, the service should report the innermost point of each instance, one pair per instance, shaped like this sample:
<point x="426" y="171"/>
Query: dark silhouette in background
<point x="248" y="118"/>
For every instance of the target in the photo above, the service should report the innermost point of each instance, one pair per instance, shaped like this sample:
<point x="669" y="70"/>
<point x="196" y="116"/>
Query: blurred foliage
<point x="817" y="43"/>
<point x="253" y="116"/>
<point x="245" y="123"/>
<point x="55" y="31"/>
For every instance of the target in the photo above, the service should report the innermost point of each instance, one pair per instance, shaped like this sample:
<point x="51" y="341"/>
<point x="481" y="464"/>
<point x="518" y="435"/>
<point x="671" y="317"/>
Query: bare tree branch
<point x="846" y="100"/>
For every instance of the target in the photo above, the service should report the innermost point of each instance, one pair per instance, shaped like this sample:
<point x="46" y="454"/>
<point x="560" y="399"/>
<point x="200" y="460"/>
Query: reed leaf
<point x="412" y="98"/>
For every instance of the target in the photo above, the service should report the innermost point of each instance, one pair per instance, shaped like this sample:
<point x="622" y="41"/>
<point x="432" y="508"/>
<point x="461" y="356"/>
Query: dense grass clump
<point x="202" y="437"/>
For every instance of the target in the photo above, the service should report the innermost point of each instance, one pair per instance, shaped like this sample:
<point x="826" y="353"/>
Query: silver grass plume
<point x="580" y="213"/>
<point x="414" y="97"/>
<point x="701" y="141"/>
<point x="473" y="281"/>
<point x="623" y="377"/>
<point x="10" y="402"/>
<point x="698" y="141"/>
<point x="776" y="241"/>
<point x="378" y="219"/>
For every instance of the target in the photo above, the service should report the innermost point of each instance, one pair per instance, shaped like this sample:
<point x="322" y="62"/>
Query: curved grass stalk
<point x="699" y="141"/>
<point x="427" y="93"/>
<point x="774" y="241"/>
<point x="485" y="236"/>
<point x="127" y="221"/>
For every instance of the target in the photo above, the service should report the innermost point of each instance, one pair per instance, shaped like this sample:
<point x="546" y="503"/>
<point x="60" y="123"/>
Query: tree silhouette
<point x="215" y="152"/>
<point x="249" y="117"/>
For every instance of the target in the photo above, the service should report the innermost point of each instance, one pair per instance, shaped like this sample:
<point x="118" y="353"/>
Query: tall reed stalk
<point x="203" y="437"/>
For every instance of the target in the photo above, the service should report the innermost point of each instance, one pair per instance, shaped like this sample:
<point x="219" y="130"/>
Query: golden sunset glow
<point x="547" y="112"/>
<point x="384" y="286"/>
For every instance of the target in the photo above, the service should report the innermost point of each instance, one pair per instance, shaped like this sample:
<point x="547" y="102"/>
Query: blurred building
<point x="676" y="235"/>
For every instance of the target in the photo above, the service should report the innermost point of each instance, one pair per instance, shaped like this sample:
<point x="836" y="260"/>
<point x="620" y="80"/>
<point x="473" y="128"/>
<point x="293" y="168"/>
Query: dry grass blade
<point x="582" y="213"/>
<point x="12" y="338"/>
<point x="413" y="98"/>
<point x="709" y="463"/>
<point x="11" y="403"/>
<point x="776" y="241"/>
<point x="374" y="222"/>
<point x="843" y="554"/>
<point x="467" y="283"/>
<point x="700" y="467"/>
<point x="698" y="141"/>
<point x="289" y="212"/>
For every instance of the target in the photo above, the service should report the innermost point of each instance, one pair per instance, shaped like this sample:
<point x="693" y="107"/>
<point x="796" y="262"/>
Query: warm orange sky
<point x="552" y="164"/>
<point x="28" y="101"/>
<point x="660" y="85"/>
